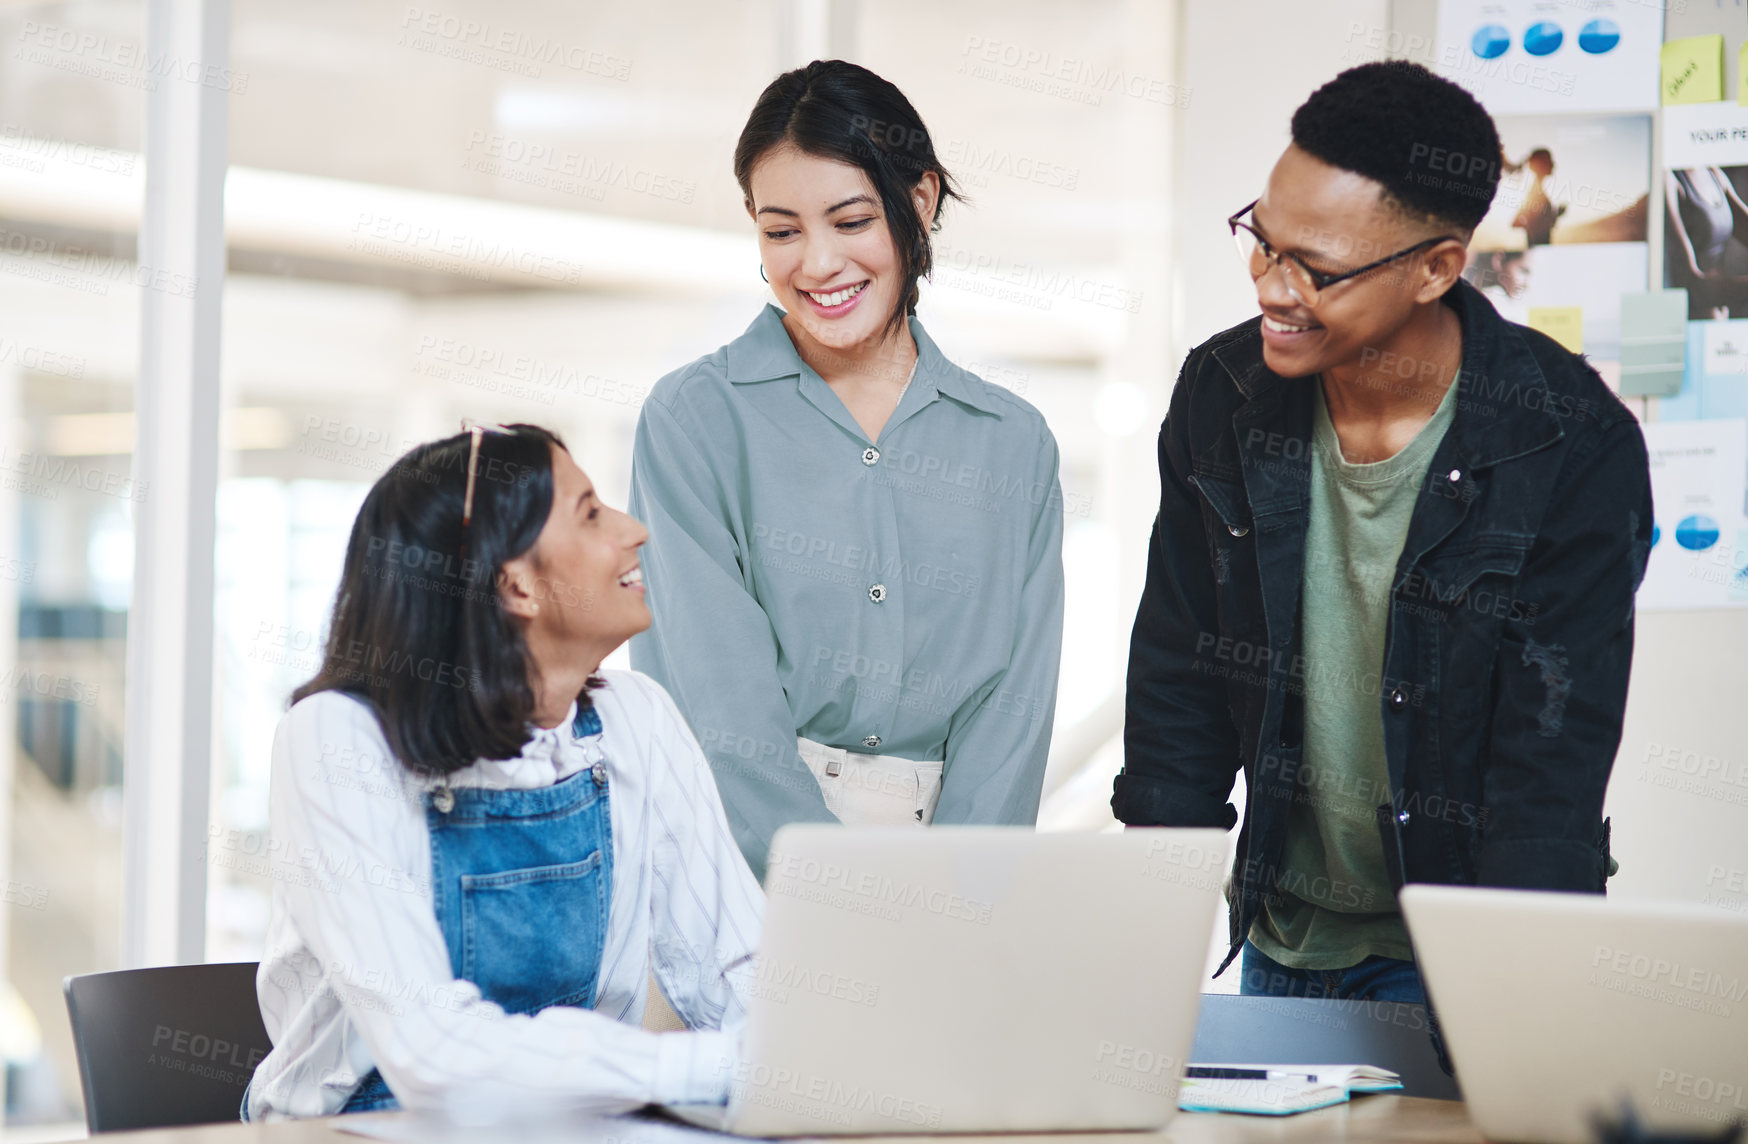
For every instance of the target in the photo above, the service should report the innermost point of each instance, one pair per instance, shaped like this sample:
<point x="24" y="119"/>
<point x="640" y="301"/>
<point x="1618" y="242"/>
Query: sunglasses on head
<point x="477" y="431"/>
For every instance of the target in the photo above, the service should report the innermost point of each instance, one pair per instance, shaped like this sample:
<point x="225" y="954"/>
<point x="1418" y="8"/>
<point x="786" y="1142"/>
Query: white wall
<point x="1687" y="726"/>
<point x="1248" y="65"/>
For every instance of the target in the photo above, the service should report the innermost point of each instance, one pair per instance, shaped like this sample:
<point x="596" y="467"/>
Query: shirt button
<point x="1237" y="530"/>
<point x="877" y="593"/>
<point x="1456" y="475"/>
<point x="870" y="455"/>
<point x="871" y="741"/>
<point x="1398" y="699"/>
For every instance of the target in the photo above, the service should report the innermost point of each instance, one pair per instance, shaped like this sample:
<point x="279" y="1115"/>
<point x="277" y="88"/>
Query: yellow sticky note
<point x="1742" y="74"/>
<point x="1565" y="324"/>
<point x="1693" y="70"/>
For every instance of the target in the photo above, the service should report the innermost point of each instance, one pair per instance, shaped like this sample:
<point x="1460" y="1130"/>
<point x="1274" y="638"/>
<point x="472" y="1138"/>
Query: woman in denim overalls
<point x="480" y="841"/>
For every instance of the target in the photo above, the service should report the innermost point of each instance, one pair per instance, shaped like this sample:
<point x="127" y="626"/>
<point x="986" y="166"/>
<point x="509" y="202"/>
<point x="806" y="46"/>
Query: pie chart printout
<point x="1491" y="41"/>
<point x="1697" y="533"/>
<point x="1543" y="39"/>
<point x="1599" y="36"/>
<point x="1556" y="57"/>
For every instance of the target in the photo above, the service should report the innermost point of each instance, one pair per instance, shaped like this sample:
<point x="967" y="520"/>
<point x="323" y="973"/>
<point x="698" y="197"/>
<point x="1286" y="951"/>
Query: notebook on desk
<point x="992" y="981"/>
<point x="1278" y="1089"/>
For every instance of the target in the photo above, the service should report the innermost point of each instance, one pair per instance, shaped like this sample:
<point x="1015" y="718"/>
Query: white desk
<point x="1379" y="1119"/>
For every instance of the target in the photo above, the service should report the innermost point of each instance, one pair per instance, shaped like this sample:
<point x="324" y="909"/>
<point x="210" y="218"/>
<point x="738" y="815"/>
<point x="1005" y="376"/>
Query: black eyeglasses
<point x="1304" y="283"/>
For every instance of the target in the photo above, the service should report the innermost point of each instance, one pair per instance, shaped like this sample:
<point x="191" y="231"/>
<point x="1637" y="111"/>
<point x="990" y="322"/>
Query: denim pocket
<point x="1453" y="579"/>
<point x="532" y="938"/>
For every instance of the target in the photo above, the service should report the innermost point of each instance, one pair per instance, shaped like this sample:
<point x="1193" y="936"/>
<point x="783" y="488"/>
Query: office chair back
<point x="160" y="1048"/>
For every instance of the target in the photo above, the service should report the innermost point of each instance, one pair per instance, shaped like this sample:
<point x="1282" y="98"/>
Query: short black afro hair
<point x="1431" y="146"/>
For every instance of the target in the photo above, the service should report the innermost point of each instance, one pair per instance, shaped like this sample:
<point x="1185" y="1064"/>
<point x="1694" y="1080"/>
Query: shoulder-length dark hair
<point x="838" y="110"/>
<point x="418" y="632"/>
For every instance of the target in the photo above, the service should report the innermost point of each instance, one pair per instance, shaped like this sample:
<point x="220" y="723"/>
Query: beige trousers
<point x="658" y="1015"/>
<point x="873" y="790"/>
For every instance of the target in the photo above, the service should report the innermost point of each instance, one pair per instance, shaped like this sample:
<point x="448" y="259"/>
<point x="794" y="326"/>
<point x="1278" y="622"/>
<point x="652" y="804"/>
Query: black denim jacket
<point x="1510" y="634"/>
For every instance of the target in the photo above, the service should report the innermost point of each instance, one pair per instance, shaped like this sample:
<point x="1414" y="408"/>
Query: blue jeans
<point x="1374" y="979"/>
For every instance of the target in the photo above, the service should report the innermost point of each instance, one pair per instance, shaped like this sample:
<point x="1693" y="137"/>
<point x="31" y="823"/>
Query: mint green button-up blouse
<point x="901" y="596"/>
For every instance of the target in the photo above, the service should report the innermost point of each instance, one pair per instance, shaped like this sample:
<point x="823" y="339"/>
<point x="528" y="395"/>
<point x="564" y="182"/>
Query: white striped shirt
<point x="357" y="972"/>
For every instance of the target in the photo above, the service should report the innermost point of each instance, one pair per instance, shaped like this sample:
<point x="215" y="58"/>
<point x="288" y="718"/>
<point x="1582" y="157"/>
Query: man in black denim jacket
<point x="1509" y="612"/>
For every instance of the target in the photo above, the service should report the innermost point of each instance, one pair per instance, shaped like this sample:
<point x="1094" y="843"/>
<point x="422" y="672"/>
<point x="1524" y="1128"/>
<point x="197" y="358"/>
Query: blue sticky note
<point x="1714" y="386"/>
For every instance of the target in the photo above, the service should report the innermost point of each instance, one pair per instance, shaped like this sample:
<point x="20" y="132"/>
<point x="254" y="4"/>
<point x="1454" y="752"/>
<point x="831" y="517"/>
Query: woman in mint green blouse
<point x="855" y="555"/>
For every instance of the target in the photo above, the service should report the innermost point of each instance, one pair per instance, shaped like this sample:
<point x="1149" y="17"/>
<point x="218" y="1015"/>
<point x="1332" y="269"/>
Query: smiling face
<point x="1336" y="221"/>
<point x="580" y="587"/>
<point x="826" y="248"/>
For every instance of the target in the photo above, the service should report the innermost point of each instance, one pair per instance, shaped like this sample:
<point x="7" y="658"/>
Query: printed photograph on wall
<point x="1569" y="179"/>
<point x="1705" y="239"/>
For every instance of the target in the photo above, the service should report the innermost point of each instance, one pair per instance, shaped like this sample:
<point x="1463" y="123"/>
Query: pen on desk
<point x="1202" y="1072"/>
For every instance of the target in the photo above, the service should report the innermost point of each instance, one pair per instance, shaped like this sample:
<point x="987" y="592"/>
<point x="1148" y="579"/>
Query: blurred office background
<point x="524" y="210"/>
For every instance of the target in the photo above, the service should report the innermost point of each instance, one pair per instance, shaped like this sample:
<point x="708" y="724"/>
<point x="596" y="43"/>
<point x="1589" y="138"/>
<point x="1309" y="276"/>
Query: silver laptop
<point x="1556" y="1007"/>
<point x="973" y="979"/>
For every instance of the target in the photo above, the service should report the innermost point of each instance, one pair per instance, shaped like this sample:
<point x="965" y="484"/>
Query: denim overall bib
<point x="520" y="881"/>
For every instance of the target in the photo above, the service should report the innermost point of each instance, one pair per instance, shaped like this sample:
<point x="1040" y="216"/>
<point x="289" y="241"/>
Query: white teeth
<point x="635" y="576"/>
<point x="836" y="298"/>
<point x="1282" y="327"/>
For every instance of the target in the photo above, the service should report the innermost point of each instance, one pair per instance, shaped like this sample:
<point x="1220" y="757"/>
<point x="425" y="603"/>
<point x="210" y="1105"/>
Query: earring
<point x="762" y="273"/>
<point x="537" y="609"/>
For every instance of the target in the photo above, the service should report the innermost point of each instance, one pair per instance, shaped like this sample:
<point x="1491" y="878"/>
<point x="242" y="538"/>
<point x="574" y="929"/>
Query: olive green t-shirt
<point x="1338" y="905"/>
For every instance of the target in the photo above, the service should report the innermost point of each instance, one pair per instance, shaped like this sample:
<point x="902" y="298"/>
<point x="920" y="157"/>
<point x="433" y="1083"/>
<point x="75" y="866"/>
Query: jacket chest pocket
<point x="1472" y="584"/>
